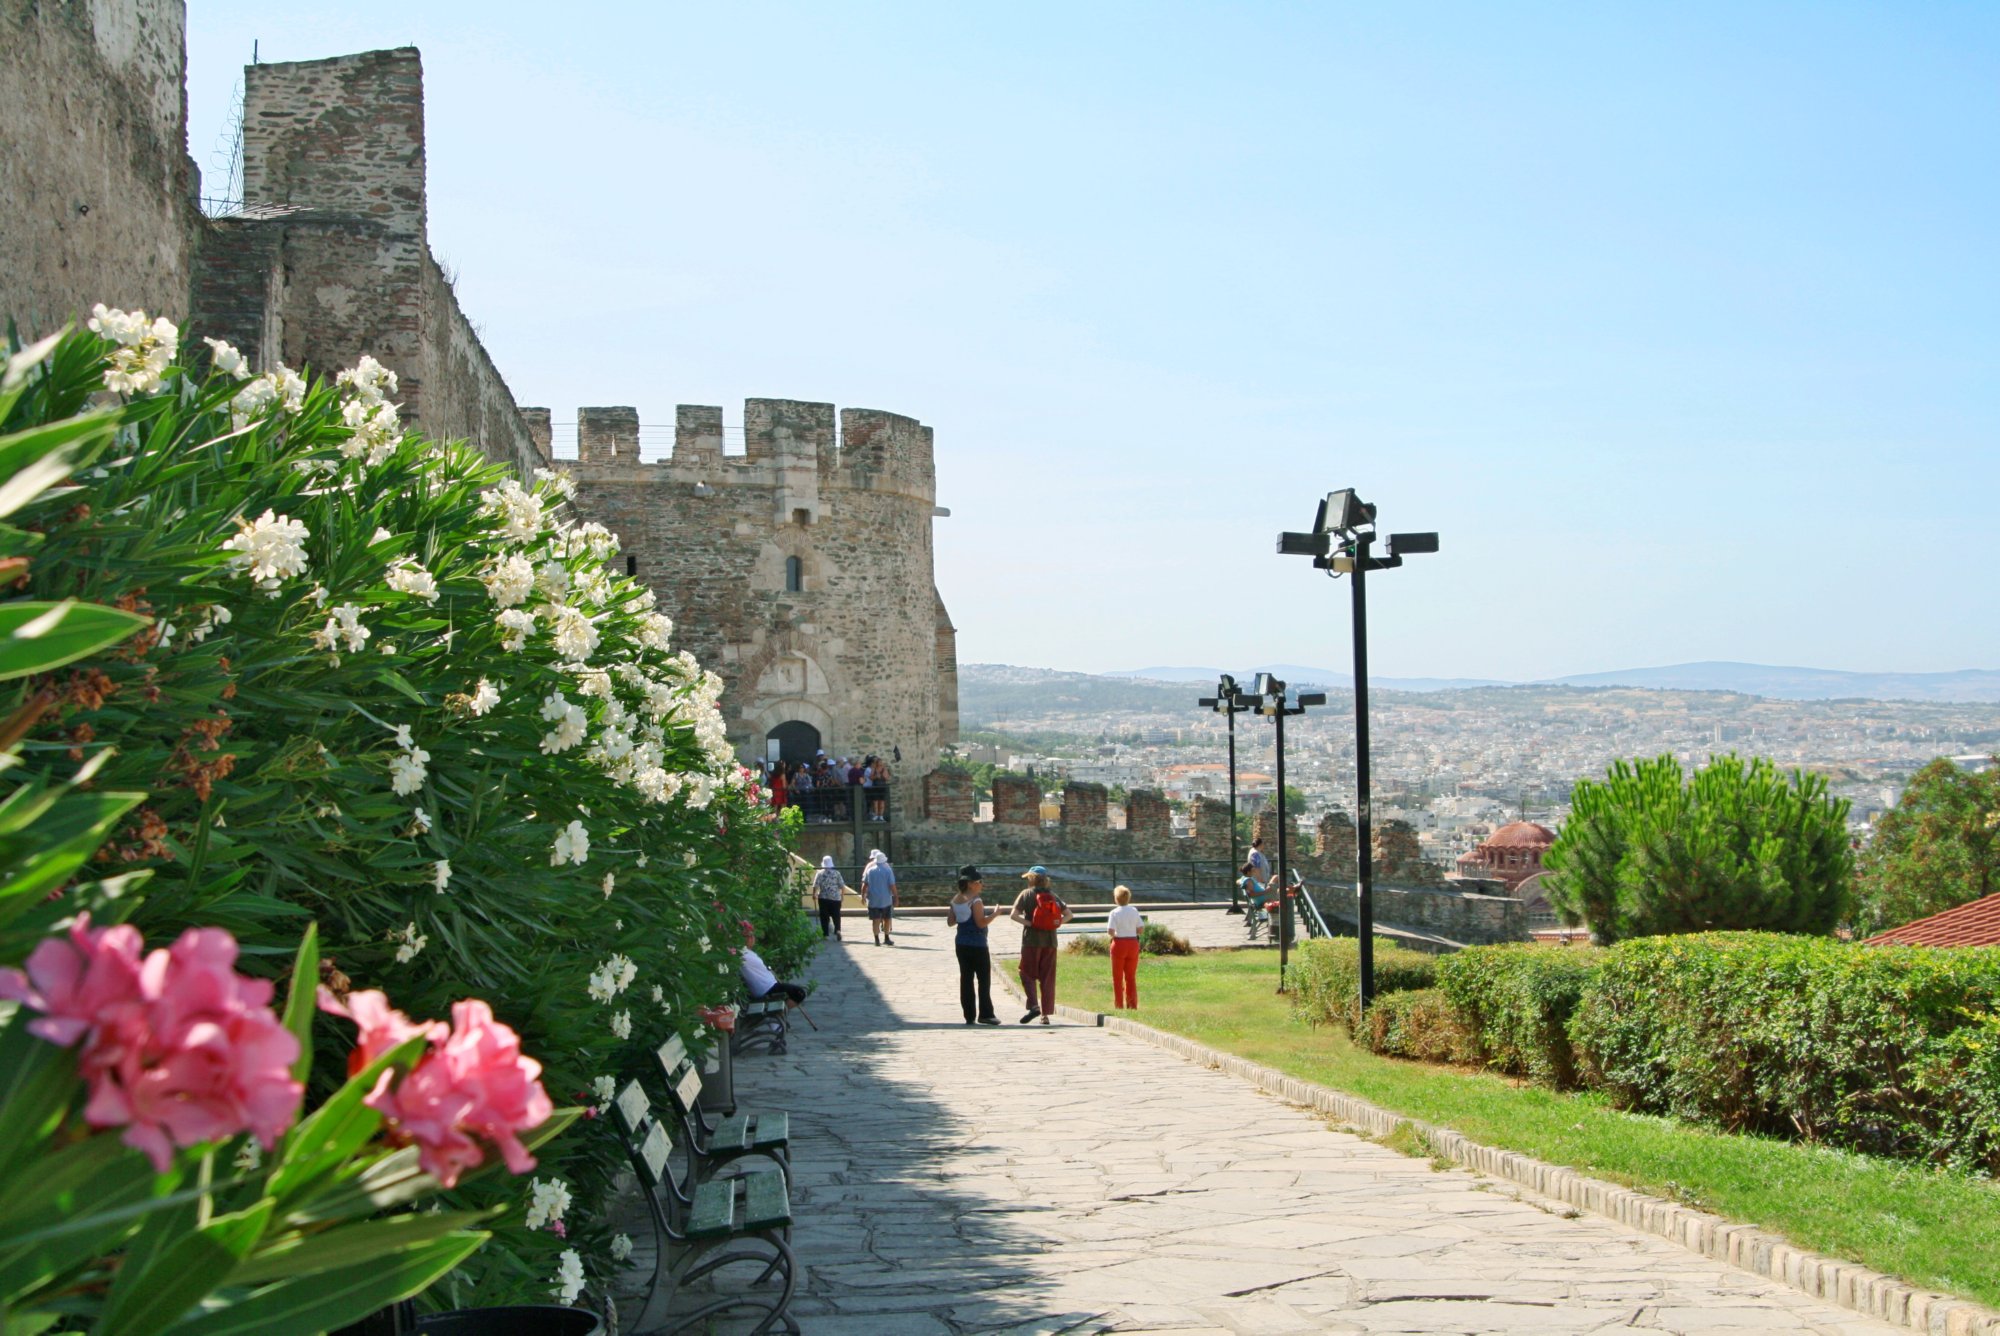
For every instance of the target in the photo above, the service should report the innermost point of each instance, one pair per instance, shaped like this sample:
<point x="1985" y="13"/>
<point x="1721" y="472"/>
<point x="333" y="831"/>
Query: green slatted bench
<point x="760" y="1026"/>
<point x="702" y="1227"/>
<point x="716" y="1143"/>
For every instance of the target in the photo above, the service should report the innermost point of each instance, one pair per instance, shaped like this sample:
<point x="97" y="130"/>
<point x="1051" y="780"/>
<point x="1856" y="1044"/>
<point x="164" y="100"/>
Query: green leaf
<point x="37" y="1082"/>
<point x="66" y="833"/>
<point x="303" y="999"/>
<point x="338" y="1127"/>
<point x="35" y="460"/>
<point x="117" y="1199"/>
<point x="37" y="636"/>
<point x="154" y="1299"/>
<point x="347" y="1245"/>
<point x="314" y="1304"/>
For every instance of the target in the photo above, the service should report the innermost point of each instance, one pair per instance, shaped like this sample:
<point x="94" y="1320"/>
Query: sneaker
<point x="1032" y="1013"/>
<point x="890" y="940"/>
<point x="989" y="1020"/>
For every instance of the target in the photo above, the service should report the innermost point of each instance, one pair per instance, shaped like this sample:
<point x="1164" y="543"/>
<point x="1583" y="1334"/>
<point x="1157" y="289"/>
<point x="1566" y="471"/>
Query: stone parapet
<point x="948" y="797"/>
<point x="1083" y="807"/>
<point x="1017" y="801"/>
<point x="1147" y="815"/>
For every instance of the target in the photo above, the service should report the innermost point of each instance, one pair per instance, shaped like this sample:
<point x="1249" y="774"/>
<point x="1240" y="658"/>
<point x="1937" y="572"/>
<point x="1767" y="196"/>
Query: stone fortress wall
<point x="861" y="650"/>
<point x="98" y="197"/>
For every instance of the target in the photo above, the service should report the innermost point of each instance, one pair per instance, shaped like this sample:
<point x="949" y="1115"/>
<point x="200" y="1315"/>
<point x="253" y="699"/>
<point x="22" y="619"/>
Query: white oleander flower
<point x="404" y="738"/>
<point x="516" y="626"/>
<point x="407" y="772"/>
<point x="212" y="616"/>
<point x="659" y="993"/>
<point x="484" y="697"/>
<point x="343" y="629"/>
<point x="374" y="431"/>
<point x="380" y="535"/>
<point x="226" y="360"/>
<point x="572" y="845"/>
<point x="552" y="581"/>
<point x="518" y="510"/>
<point x="559" y="479"/>
<point x="370" y="381"/>
<point x="610" y="881"/>
<point x="509" y="579"/>
<point x="250" y="1158"/>
<point x="407" y="577"/>
<point x="594" y="682"/>
<point x="441" y="873"/>
<point x="574" y="636"/>
<point x="592" y="588"/>
<point x="656" y="631"/>
<point x="547" y="1202"/>
<point x="569" y="720"/>
<point x="604" y="1088"/>
<point x="270" y="549"/>
<point x="621" y="1247"/>
<point x="569" y="1277"/>
<point x="413" y="945"/>
<point x="420" y="821"/>
<point x="621" y="1025"/>
<point x="145" y="349"/>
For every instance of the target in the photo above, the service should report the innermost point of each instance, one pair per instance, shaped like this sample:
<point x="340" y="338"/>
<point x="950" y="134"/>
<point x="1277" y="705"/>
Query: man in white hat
<point x="829" y="887"/>
<point x="878" y="884"/>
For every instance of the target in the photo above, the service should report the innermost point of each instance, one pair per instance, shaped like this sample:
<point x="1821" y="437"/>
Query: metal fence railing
<point x="1153" y="880"/>
<point x="844" y="804"/>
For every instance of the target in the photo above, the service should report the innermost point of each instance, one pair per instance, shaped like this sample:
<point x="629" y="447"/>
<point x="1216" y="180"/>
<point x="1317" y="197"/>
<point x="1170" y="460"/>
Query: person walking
<point x="1040" y="912"/>
<point x="828" y="886"/>
<point x="1124" y="924"/>
<point x="975" y="961"/>
<point x="878" y="885"/>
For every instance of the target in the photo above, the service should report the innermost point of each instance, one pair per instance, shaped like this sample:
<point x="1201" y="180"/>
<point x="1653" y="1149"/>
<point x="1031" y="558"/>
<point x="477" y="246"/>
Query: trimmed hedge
<point x="1517" y="1000"/>
<point x="1891" y="1050"/>
<point x="1418" y="1023"/>
<point x="1326" y="977"/>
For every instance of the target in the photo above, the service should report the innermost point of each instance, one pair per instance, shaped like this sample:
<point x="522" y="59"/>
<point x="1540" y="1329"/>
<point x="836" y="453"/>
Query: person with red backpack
<point x="1040" y="912"/>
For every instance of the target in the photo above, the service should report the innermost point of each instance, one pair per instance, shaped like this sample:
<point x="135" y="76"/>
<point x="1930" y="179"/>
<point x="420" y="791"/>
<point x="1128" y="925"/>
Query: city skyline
<point x="1676" y="326"/>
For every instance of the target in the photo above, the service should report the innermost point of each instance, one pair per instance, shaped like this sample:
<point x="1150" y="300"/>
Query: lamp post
<point x="1343" y="531"/>
<point x="1267" y="697"/>
<point x="1227" y="703"/>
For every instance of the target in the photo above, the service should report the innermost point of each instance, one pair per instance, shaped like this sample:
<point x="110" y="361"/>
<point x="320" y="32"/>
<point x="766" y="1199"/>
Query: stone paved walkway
<point x="1062" y="1178"/>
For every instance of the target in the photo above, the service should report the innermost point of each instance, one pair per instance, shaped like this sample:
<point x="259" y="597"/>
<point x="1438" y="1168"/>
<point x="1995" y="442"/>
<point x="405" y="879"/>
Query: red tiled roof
<point x="1976" y="924"/>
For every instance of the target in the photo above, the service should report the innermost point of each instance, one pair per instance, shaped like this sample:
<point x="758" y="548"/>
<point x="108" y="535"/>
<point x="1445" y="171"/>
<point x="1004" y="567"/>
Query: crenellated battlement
<point x="792" y="444"/>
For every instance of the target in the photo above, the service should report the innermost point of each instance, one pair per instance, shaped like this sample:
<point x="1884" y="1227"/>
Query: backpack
<point x="1047" y="914"/>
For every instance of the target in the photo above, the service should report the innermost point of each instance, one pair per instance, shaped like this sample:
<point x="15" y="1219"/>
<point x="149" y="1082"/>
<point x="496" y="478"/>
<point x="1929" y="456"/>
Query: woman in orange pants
<point x="1124" y="924"/>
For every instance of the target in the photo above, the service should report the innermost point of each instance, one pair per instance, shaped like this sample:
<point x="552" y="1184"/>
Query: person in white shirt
<point x="1124" y="924"/>
<point x="760" y="982"/>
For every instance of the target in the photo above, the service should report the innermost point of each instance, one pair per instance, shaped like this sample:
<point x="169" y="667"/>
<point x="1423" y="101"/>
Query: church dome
<point x="1522" y="834"/>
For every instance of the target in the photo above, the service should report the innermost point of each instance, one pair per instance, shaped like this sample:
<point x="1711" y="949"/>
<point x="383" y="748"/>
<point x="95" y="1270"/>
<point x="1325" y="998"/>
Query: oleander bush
<point x="386" y="687"/>
<point x="1326" y="977"/>
<point x="1891" y="1050"/>
<point x="1418" y="1023"/>
<point x="1517" y="1000"/>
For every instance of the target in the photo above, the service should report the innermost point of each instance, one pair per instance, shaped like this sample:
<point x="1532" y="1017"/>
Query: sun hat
<point x="826" y="860"/>
<point x="1036" y="871"/>
<point x="970" y="873"/>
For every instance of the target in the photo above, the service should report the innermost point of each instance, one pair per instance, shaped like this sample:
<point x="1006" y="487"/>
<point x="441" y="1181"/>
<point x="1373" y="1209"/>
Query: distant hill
<point x="1971" y="686"/>
<point x="1298" y="675"/>
<point x="1967" y="686"/>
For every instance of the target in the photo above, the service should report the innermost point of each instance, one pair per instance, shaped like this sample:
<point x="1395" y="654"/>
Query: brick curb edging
<point x="1846" y="1284"/>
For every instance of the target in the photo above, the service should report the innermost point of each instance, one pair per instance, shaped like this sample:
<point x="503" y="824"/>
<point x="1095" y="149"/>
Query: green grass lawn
<point x="1937" y="1230"/>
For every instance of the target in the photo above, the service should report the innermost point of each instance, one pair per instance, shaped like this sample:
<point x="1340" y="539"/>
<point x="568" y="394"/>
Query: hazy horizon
<point x="1677" y="323"/>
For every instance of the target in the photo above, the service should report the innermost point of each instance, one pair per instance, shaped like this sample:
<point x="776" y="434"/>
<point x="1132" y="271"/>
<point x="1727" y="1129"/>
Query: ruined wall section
<point x="331" y="257"/>
<point x="853" y="650"/>
<point x="97" y="192"/>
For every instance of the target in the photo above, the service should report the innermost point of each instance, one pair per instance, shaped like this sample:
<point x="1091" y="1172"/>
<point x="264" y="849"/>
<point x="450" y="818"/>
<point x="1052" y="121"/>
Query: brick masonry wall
<point x="1017" y="801"/>
<point x="97" y="192"/>
<point x="1147" y="815"/>
<point x="853" y="652"/>
<point x="1083" y="807"/>
<point x="948" y="797"/>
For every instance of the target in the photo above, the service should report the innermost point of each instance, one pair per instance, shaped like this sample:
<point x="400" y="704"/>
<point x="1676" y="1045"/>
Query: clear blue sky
<point x="1681" y="322"/>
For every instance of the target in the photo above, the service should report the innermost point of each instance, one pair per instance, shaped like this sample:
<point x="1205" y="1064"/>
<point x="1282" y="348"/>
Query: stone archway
<point x="793" y="740"/>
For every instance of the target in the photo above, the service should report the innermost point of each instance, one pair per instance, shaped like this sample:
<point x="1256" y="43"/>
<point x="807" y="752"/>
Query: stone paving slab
<point x="1061" y="1178"/>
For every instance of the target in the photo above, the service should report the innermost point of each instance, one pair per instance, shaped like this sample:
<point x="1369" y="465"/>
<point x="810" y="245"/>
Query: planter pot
<point x="516" y="1320"/>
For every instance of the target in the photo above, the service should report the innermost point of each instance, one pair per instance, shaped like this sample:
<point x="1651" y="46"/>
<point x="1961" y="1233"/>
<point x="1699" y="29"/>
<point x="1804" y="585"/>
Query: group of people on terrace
<point x="819" y="788"/>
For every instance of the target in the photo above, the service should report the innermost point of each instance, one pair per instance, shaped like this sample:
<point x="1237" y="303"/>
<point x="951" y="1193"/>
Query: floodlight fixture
<point x="1412" y="544"/>
<point x="1315" y="544"/>
<point x="1342" y="512"/>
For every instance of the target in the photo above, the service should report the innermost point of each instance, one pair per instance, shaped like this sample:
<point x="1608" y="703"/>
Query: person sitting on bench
<point x="758" y="979"/>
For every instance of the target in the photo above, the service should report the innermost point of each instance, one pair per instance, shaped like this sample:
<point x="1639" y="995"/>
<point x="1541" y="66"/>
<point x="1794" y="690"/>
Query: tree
<point x="1939" y="848"/>
<point x="1648" y="852"/>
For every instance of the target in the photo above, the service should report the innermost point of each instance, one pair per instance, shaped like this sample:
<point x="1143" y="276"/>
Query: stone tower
<point x="801" y="570"/>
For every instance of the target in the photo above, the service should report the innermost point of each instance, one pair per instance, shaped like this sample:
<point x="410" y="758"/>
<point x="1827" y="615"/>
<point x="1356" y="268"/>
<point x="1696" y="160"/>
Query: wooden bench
<point x="760" y="1026"/>
<point x="702" y="1227"/>
<point x="715" y="1144"/>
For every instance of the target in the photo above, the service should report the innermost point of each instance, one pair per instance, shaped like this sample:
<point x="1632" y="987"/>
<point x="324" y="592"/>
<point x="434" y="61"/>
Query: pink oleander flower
<point x="178" y="1048"/>
<point x="473" y="1083"/>
<point x="381" y="1026"/>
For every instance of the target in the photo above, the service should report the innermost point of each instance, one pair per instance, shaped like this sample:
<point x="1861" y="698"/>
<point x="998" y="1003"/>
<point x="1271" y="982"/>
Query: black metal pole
<point x="1229" y="705"/>
<point x="1284" y="901"/>
<point x="1364" y="852"/>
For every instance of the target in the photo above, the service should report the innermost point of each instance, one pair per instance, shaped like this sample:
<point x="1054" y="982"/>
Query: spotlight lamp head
<point x="1226" y="685"/>
<point x="1342" y="512"/>
<point x="1265" y="685"/>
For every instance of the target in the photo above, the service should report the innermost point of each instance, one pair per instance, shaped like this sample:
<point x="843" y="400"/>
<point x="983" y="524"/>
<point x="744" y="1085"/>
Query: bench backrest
<point x="672" y="1053"/>
<point x="647" y="1140"/>
<point x="632" y="1109"/>
<point x="683" y="1079"/>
